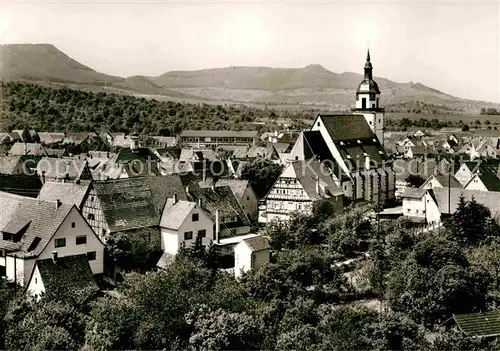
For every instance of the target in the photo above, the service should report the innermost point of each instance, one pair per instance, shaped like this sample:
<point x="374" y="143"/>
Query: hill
<point x="312" y="86"/>
<point x="44" y="62"/>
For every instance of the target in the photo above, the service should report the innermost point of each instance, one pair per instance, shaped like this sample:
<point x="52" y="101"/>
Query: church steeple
<point x="368" y="66"/>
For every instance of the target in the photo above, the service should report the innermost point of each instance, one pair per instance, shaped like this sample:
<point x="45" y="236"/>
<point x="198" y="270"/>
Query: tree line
<point x="68" y="110"/>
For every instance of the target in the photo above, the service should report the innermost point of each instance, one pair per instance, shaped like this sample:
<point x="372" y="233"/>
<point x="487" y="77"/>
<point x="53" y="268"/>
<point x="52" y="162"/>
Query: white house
<point x="251" y="253"/>
<point x="32" y="230"/>
<point x="430" y="205"/>
<point x="182" y="222"/>
<point x="61" y="275"/>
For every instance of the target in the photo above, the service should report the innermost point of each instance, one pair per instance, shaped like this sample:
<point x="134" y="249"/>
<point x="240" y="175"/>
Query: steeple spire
<point x="368" y="66"/>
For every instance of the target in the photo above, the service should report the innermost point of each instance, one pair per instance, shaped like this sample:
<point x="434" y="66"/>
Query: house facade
<point x="214" y="139"/>
<point x="251" y="253"/>
<point x="32" y="230"/>
<point x="300" y="184"/>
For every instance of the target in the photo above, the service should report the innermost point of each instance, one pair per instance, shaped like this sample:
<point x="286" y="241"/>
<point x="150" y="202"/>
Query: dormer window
<point x="342" y="143"/>
<point x="359" y="141"/>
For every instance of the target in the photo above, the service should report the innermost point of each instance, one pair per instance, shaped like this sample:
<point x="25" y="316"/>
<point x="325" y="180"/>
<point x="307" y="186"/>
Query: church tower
<point x="368" y="101"/>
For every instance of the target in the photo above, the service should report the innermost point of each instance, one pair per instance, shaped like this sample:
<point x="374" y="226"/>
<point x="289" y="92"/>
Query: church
<point x="349" y="148"/>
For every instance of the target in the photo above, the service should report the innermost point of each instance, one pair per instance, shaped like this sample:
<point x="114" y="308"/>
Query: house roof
<point x="68" y="273"/>
<point x="127" y="203"/>
<point x="164" y="187"/>
<point x="68" y="193"/>
<point x="55" y="152"/>
<point x="414" y="193"/>
<point x="219" y="133"/>
<point x="20" y="184"/>
<point x="60" y="168"/>
<point x="447" y="181"/>
<point x="174" y="214"/>
<point x="219" y="198"/>
<point x="346" y="127"/>
<point x="257" y="243"/>
<point x="238" y="186"/>
<point x="281" y="147"/>
<point x="489" y="199"/>
<point x="50" y="138"/>
<point x="8" y="164"/>
<point x="44" y="219"/>
<point x="482" y="324"/>
<point x="308" y="172"/>
<point x="488" y="178"/>
<point x="244" y="152"/>
<point x="34" y="149"/>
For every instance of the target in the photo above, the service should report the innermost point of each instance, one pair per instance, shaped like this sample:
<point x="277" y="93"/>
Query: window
<point x="416" y="211"/>
<point x="202" y="233"/>
<point x="195" y="217"/>
<point x="188" y="235"/>
<point x="73" y="224"/>
<point x="82" y="239"/>
<point x="61" y="242"/>
<point x="90" y="217"/>
<point x="409" y="210"/>
<point x="363" y="103"/>
<point x="248" y="198"/>
<point x="36" y="280"/>
<point x="317" y="124"/>
<point x="91" y="256"/>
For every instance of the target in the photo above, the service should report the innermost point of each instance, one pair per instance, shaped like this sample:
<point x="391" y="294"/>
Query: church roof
<point x="346" y="127"/>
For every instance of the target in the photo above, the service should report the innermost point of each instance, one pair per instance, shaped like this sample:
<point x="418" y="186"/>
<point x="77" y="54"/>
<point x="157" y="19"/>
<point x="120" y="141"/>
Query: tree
<point x="262" y="174"/>
<point x="45" y="325"/>
<point x="435" y="281"/>
<point x="222" y="330"/>
<point x="470" y="223"/>
<point x="119" y="248"/>
<point x="465" y="128"/>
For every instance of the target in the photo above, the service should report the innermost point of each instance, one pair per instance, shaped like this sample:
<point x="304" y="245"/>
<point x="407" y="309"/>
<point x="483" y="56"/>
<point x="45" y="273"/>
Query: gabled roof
<point x="219" y="198"/>
<point x="346" y="127"/>
<point x="164" y="187"/>
<point x="61" y="168"/>
<point x="308" y="172"/>
<point x="34" y="149"/>
<point x="44" y="219"/>
<point x="127" y="203"/>
<point x="245" y="152"/>
<point x="20" y="184"/>
<point x="175" y="214"/>
<point x="238" y="186"/>
<point x="445" y="180"/>
<point x="414" y="193"/>
<point x="50" y="138"/>
<point x="68" y="273"/>
<point x="489" y="199"/>
<point x="55" y="152"/>
<point x="257" y="243"/>
<point x="8" y="164"/>
<point x="68" y="193"/>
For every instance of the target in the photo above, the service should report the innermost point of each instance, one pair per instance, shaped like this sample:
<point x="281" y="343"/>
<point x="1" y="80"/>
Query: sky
<point x="453" y="46"/>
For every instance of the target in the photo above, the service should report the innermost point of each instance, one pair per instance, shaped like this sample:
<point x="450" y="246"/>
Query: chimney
<point x="187" y="190"/>
<point x="199" y="202"/>
<point x="317" y="185"/>
<point x="367" y="162"/>
<point x="175" y="198"/>
<point x="54" y="256"/>
<point x="58" y="203"/>
<point x="217" y="226"/>
<point x="204" y="171"/>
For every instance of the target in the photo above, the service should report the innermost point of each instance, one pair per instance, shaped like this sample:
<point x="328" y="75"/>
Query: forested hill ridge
<point x="62" y="109"/>
<point x="312" y="86"/>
